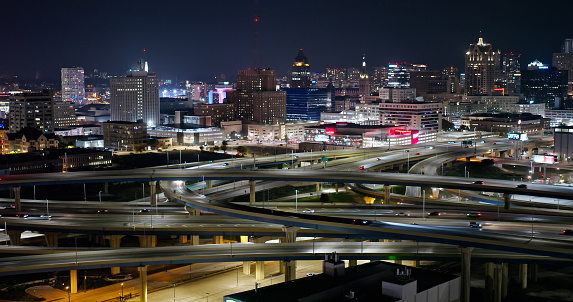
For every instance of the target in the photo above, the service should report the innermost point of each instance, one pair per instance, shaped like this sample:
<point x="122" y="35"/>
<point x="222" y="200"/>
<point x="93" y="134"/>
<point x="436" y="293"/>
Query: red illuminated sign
<point x="329" y="131"/>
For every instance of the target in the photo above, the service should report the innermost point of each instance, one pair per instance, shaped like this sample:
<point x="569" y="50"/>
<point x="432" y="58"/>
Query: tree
<point x="224" y="146"/>
<point x="201" y="147"/>
<point x="139" y="148"/>
<point x="242" y="149"/>
<point x="216" y="148"/>
<point x="324" y="198"/>
<point x="153" y="143"/>
<point x="447" y="125"/>
<point x="286" y="139"/>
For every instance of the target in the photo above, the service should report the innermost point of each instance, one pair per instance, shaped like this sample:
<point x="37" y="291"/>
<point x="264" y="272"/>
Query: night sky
<point x="199" y="40"/>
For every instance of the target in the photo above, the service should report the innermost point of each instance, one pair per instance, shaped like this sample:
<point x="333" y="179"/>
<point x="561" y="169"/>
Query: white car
<point x="308" y="211"/>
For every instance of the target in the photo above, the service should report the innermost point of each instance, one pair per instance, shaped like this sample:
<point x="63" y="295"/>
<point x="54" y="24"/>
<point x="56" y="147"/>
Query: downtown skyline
<point x="202" y="40"/>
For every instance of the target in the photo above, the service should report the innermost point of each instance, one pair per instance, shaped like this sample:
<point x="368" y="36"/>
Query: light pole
<point x="203" y="184"/>
<point x="85" y="196"/>
<point x="121" y="292"/>
<point x="68" y="290"/>
<point x="424" y="204"/>
<point x="100" y="196"/>
<point x="173" y="292"/>
<point x="465" y="171"/>
<point x="143" y="190"/>
<point x="48" y="209"/>
<point x="296" y="201"/>
<point x="207" y="297"/>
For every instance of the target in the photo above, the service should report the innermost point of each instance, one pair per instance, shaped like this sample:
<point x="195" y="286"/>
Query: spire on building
<point x="363" y="72"/>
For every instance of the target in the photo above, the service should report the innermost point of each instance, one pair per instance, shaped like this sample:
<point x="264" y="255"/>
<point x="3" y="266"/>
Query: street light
<point x="424" y="204"/>
<point x="121" y="292"/>
<point x="68" y="289"/>
<point x="296" y="201"/>
<point x="100" y="196"/>
<point x="48" y="209"/>
<point x="203" y="185"/>
<point x="173" y="292"/>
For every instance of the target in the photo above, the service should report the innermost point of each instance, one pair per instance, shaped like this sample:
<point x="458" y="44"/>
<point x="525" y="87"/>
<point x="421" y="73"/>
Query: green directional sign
<point x="466" y="142"/>
<point x="324" y="159"/>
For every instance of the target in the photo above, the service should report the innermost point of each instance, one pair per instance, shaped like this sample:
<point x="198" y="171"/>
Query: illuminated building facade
<point x="33" y="110"/>
<point x="398" y="76"/>
<point x="480" y="69"/>
<point x="564" y="61"/>
<point x="218" y="112"/>
<point x="363" y="82"/>
<point x="135" y="97"/>
<point x="307" y="104"/>
<point x="541" y="84"/>
<point x="412" y="115"/>
<point x="300" y="75"/>
<point x="124" y="136"/>
<point x="73" y="85"/>
<point x="64" y="114"/>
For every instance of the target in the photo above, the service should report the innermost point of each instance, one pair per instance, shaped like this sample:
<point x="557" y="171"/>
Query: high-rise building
<point x="413" y="115"/>
<point x="73" y="85"/>
<point x="124" y="136"/>
<point x="34" y="110"/>
<point x="307" y="104"/>
<point x="64" y="114"/>
<point x="398" y="76"/>
<point x="300" y="75"/>
<point x="353" y="74"/>
<point x="255" y="94"/>
<point x="511" y="73"/>
<point x="564" y="61"/>
<point x="379" y="77"/>
<point x="363" y="82"/>
<point x="480" y="69"/>
<point x="541" y="84"/>
<point x="428" y="82"/>
<point x="135" y="97"/>
<point x="452" y="75"/>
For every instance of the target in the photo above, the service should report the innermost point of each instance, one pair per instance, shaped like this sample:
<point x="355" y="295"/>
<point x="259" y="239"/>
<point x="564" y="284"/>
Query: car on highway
<point x="25" y="216"/>
<point x="493" y="143"/>
<point x="474" y="224"/>
<point x="311" y="274"/>
<point x="567" y="232"/>
<point x="144" y="210"/>
<point x="416" y="153"/>
<point x="361" y="168"/>
<point x="474" y="214"/>
<point x="478" y="182"/>
<point x="434" y="213"/>
<point x="49" y="216"/>
<point x="308" y="211"/>
<point x="360" y="221"/>
<point x="403" y="214"/>
<point x="225" y="164"/>
<point x="521" y="186"/>
<point x="102" y="211"/>
<point x="377" y="158"/>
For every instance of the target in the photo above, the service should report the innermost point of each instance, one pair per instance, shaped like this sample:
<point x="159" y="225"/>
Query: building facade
<point x="135" y="98"/>
<point x="480" y="69"/>
<point x="35" y="110"/>
<point x="563" y="141"/>
<point x="218" y="112"/>
<point x="73" y="85"/>
<point x="307" y="104"/>
<point x="300" y="74"/>
<point x="124" y="136"/>
<point x="543" y="84"/>
<point x="64" y="114"/>
<point x="412" y="115"/>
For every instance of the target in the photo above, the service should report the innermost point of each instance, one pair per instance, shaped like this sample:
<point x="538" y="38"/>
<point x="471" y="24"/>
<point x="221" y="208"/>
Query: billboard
<point x="544" y="159"/>
<point x="517" y="136"/>
<point x="321" y="138"/>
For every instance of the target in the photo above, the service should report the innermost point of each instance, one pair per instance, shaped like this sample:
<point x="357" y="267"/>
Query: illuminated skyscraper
<point x="564" y="61"/>
<point x="300" y="74"/>
<point x="34" y="110"/>
<point x="135" y="97"/>
<point x="363" y="82"/>
<point x="73" y="86"/>
<point x="398" y="76"/>
<point x="480" y="69"/>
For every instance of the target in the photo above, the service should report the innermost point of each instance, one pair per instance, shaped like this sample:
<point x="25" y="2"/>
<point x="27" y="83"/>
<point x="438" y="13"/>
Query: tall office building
<point x="307" y="104"/>
<point x="64" y="114"/>
<point x="564" y="61"/>
<point x="73" y="86"/>
<point x="135" y="97"/>
<point x="300" y="75"/>
<point x="34" y="110"/>
<point x="541" y="84"/>
<point x="255" y="94"/>
<point x="398" y="76"/>
<point x="511" y="73"/>
<point x="480" y="69"/>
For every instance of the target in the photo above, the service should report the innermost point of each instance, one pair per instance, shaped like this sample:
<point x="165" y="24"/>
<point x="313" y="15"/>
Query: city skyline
<point x="200" y="41"/>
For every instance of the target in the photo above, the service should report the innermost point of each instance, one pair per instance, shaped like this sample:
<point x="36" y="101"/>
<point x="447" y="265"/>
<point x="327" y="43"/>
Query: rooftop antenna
<point x="256" y="46"/>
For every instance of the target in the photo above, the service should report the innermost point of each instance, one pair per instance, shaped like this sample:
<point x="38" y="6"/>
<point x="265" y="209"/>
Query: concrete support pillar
<point x="506" y="201"/>
<point x="466" y="265"/>
<point x="523" y="275"/>
<point x="504" y="279"/>
<point x="252" y="184"/>
<point x="246" y="268"/>
<point x="260" y="271"/>
<point x="143" y="282"/>
<point x="208" y="184"/>
<point x="17" y="202"/>
<point x="489" y="282"/>
<point x="147" y="240"/>
<point x="152" y="193"/>
<point x="317" y="187"/>
<point x="218" y="240"/>
<point x="352" y="262"/>
<point x="105" y="187"/>
<point x="193" y="211"/>
<point x="497" y="279"/>
<point x="533" y="272"/>
<point x="114" y="240"/>
<point x="73" y="281"/>
<point x="194" y="239"/>
<point x="387" y="190"/>
<point x="336" y="188"/>
<point x="15" y="237"/>
<point x="52" y="238"/>
<point x="290" y="270"/>
<point x="182" y="239"/>
<point x="290" y="233"/>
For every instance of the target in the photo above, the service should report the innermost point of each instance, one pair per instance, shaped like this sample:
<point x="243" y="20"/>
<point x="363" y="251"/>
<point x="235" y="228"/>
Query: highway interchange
<point x="517" y="237"/>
